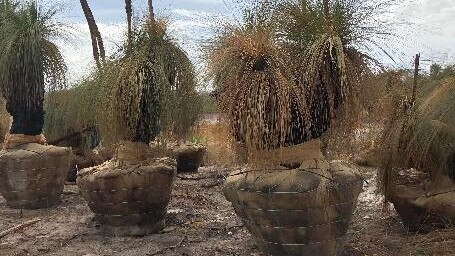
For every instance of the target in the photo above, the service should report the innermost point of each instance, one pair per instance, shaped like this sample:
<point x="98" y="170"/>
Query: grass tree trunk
<point x="27" y="112"/>
<point x="129" y="14"/>
<point x="97" y="42"/>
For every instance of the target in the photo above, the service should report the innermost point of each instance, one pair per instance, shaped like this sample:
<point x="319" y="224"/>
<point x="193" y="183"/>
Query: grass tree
<point x="418" y="167"/>
<point x="138" y="87"/>
<point x="32" y="174"/>
<point x="146" y="87"/>
<point x="284" y="75"/>
<point x="29" y="63"/>
<point x="422" y="137"/>
<point x="292" y="66"/>
<point x="150" y="87"/>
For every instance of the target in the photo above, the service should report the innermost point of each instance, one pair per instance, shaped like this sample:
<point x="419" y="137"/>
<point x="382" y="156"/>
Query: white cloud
<point x="78" y="52"/>
<point x="192" y="24"/>
<point x="434" y="29"/>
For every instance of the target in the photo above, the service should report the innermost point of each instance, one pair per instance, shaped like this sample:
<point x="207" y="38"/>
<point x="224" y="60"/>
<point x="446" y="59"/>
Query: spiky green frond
<point x="357" y="23"/>
<point x="7" y="8"/>
<point x="184" y="105"/>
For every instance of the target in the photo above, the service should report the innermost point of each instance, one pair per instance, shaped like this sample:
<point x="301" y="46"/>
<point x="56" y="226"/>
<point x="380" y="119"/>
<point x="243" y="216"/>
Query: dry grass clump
<point x="363" y="141"/>
<point x="430" y="134"/>
<point x="222" y="149"/>
<point x="72" y="111"/>
<point x="252" y="72"/>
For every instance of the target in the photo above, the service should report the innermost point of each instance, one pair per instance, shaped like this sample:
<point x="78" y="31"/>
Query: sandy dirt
<point x="199" y="222"/>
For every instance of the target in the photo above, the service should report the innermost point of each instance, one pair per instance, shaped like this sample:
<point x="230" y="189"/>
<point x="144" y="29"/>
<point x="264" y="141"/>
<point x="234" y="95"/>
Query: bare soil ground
<point x="201" y="222"/>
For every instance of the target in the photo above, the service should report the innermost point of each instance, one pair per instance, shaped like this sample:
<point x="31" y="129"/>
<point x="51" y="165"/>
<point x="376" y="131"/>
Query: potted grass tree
<point x="282" y="78"/>
<point x="189" y="157"/>
<point x="419" y="167"/>
<point x="32" y="174"/>
<point x="184" y="110"/>
<point x="129" y="194"/>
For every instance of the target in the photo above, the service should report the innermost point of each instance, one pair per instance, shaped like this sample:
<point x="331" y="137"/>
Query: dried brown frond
<point x="253" y="74"/>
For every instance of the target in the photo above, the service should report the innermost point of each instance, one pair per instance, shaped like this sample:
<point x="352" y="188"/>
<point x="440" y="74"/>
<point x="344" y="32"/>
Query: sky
<point x="432" y="32"/>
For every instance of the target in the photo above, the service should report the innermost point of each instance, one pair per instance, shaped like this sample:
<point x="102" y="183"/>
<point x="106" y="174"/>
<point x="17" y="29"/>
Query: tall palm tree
<point x="97" y="40"/>
<point x="29" y="63"/>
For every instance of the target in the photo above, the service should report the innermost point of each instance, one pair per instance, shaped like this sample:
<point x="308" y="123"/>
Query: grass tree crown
<point x="29" y="63"/>
<point x="283" y="73"/>
<point x="150" y="87"/>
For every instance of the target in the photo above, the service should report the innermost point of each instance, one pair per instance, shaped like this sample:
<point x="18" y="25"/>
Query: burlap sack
<point x="189" y="157"/>
<point x="33" y="175"/>
<point x="14" y="140"/>
<point x="297" y="212"/>
<point x="129" y="199"/>
<point x="133" y="152"/>
<point x="305" y="153"/>
<point x="424" y="203"/>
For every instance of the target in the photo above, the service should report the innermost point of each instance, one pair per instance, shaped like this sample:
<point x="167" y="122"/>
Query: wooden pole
<point x="416" y="77"/>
